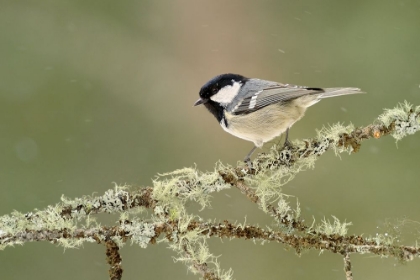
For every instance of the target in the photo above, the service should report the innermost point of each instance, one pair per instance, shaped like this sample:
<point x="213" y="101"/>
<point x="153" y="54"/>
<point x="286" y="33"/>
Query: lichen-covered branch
<point x="335" y="243"/>
<point x="72" y="222"/>
<point x="347" y="267"/>
<point x="114" y="260"/>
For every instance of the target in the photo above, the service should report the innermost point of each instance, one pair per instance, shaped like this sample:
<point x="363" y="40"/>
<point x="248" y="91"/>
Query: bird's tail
<point x="332" y="92"/>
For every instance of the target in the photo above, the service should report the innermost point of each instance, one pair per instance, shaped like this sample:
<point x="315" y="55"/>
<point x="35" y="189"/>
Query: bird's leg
<point x="286" y="142"/>
<point x="247" y="159"/>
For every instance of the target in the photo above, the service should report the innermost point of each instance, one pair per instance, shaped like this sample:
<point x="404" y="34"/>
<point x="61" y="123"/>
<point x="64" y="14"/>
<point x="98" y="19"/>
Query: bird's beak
<point x="199" y="102"/>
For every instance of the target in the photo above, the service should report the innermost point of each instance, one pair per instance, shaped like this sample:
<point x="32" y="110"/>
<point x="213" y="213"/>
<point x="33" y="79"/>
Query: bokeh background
<point x="96" y="92"/>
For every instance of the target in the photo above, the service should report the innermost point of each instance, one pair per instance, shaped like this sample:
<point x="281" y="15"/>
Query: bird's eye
<point x="214" y="90"/>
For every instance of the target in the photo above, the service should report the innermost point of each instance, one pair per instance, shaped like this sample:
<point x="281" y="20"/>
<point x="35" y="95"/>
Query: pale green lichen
<point x="271" y="175"/>
<point x="192" y="249"/>
<point x="405" y="118"/>
<point x="332" y="134"/>
<point x="267" y="185"/>
<point x="9" y="224"/>
<point x="72" y="243"/>
<point x="140" y="232"/>
<point x="331" y="228"/>
<point x="115" y="200"/>
<point x="112" y="201"/>
<point x="198" y="259"/>
<point x="187" y="184"/>
<point x="384" y="239"/>
<point x="118" y="241"/>
<point x="400" y="112"/>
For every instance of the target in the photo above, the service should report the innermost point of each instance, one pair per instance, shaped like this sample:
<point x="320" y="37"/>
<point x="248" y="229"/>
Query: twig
<point x="201" y="268"/>
<point x="334" y="243"/>
<point x="114" y="260"/>
<point x="347" y="267"/>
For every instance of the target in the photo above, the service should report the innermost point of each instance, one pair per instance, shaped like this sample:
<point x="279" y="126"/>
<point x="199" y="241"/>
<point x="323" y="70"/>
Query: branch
<point x="335" y="243"/>
<point x="72" y="222"/>
<point x="347" y="267"/>
<point x="114" y="260"/>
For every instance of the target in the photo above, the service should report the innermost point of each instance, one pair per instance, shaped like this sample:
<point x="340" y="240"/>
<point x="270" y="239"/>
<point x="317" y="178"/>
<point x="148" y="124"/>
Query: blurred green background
<point x="96" y="92"/>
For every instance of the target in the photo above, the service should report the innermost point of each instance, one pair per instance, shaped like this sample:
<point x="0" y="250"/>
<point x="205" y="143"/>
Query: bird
<point x="258" y="110"/>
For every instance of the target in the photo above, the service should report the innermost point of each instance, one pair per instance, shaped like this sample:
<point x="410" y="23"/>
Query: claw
<point x="247" y="159"/>
<point x="287" y="142"/>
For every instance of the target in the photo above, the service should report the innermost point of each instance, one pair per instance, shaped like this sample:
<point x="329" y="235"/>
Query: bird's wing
<point x="279" y="93"/>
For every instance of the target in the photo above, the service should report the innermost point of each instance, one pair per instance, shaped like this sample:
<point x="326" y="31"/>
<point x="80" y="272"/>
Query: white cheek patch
<point x="226" y="94"/>
<point x="253" y="101"/>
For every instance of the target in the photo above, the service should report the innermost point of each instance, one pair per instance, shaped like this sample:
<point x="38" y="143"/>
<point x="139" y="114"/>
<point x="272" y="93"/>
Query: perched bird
<point x="258" y="110"/>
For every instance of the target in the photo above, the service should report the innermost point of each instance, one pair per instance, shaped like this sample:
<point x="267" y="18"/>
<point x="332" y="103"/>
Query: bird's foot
<point x="287" y="144"/>
<point x="248" y="162"/>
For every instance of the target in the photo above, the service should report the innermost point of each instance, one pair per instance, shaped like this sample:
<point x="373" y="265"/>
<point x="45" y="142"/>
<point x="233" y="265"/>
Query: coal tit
<point x="258" y="110"/>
